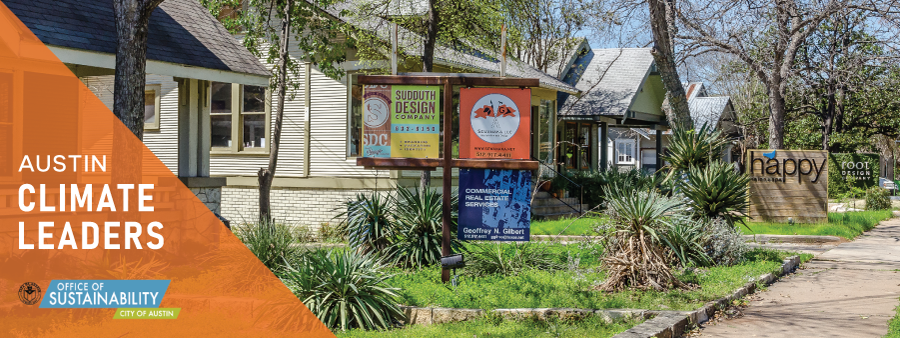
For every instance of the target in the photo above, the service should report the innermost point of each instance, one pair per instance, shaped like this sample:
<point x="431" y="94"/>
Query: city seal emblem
<point x="30" y="293"/>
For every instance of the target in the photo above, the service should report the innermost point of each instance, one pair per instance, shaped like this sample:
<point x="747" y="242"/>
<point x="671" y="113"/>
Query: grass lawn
<point x="847" y="225"/>
<point x="574" y="287"/>
<point x="489" y="327"/>
<point x="576" y="226"/>
<point x="894" y="326"/>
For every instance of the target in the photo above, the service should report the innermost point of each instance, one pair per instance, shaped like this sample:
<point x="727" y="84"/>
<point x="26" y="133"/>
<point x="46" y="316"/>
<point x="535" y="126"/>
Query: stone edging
<point x="668" y="324"/>
<point x="428" y="316"/>
<point x="794" y="239"/>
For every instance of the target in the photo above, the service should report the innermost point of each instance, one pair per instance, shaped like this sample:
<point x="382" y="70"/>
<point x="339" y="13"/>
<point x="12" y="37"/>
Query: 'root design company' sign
<point x="788" y="184"/>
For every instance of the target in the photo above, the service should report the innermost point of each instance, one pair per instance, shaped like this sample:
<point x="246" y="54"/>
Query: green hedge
<point x="848" y="171"/>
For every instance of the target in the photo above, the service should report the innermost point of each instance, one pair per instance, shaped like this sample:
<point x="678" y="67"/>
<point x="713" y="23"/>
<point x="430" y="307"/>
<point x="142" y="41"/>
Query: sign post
<point x="446" y="161"/>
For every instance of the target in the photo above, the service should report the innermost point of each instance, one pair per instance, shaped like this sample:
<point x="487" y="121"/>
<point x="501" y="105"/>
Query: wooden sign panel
<point x="788" y="184"/>
<point x="495" y="123"/>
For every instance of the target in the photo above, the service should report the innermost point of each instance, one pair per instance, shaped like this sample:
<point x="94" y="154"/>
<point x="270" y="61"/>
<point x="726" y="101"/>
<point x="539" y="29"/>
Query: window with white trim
<point x="151" y="107"/>
<point x="624" y="151"/>
<point x="239" y="118"/>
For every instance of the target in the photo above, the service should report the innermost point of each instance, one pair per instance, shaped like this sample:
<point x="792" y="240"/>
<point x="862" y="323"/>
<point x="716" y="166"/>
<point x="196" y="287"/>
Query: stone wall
<point x="212" y="197"/>
<point x="310" y="207"/>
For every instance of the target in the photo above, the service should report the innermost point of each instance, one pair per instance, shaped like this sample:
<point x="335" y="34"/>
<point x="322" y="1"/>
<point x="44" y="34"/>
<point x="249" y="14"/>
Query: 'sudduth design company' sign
<point x="494" y="205"/>
<point x="788" y="184"/>
<point x="401" y="121"/>
<point x="494" y="123"/>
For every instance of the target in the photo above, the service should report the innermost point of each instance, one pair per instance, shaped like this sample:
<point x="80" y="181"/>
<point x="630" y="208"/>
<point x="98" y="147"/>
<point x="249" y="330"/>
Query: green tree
<point x="270" y="28"/>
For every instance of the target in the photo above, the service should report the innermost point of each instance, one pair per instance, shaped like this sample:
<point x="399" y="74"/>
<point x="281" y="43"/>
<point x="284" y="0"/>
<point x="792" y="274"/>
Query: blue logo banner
<point x="70" y="294"/>
<point x="494" y="205"/>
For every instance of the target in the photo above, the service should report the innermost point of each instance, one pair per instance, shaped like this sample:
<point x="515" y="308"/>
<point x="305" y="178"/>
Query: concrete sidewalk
<point x="848" y="291"/>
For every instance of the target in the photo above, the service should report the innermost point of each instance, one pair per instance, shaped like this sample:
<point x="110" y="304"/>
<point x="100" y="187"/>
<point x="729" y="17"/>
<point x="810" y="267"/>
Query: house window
<point x="355" y="125"/>
<point x="624" y="151"/>
<point x="545" y="130"/>
<point x="239" y="118"/>
<point x="151" y="107"/>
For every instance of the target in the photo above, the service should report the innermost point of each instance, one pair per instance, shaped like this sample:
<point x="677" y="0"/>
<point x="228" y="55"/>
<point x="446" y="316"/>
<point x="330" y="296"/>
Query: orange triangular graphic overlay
<point x="46" y="113"/>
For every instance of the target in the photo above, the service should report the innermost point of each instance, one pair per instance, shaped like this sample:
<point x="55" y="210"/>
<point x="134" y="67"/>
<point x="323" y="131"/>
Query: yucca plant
<point x="685" y="239"/>
<point x="636" y="256"/>
<point x="692" y="148"/>
<point x="271" y="242"/>
<point x="487" y="258"/>
<point x="367" y="223"/>
<point x="416" y="239"/>
<point x="716" y="191"/>
<point x="345" y="290"/>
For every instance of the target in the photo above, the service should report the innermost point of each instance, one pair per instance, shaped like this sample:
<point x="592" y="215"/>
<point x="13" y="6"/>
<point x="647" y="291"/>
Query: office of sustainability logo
<point x="30" y="293"/>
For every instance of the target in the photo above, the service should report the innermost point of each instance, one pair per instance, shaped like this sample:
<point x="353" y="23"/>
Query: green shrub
<point x="367" y="222"/>
<point x="716" y="191"/>
<point x="345" y="290"/>
<point x="692" y="148"/>
<point x="593" y="182"/>
<point x="271" y="242"/>
<point x="877" y="199"/>
<point x="417" y="227"/>
<point x="685" y="239"/>
<point x="487" y="258"/>
<point x="724" y="243"/>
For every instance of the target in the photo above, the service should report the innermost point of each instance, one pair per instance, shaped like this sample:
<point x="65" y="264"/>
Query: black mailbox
<point x="453" y="261"/>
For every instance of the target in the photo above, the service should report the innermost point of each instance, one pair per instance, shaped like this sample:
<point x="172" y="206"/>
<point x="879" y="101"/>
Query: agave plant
<point x="692" y="148"/>
<point x="345" y="290"/>
<point x="367" y="222"/>
<point x="685" y="238"/>
<point x="636" y="254"/>
<point x="716" y="191"/>
<point x="418" y="223"/>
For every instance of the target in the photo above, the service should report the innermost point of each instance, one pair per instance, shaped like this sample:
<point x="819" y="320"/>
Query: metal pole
<point x="394" y="49"/>
<point x="503" y="50"/>
<point x="447" y="176"/>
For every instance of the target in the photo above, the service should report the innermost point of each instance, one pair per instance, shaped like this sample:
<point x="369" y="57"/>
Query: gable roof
<point x="468" y="58"/>
<point x="708" y="110"/>
<point x="609" y="79"/>
<point x="181" y="32"/>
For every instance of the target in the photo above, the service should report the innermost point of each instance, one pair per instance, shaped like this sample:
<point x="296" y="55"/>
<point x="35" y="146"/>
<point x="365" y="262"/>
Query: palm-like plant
<point x="418" y="222"/>
<point x="494" y="258"/>
<point x="716" y="191"/>
<point x="367" y="222"/>
<point x="345" y="290"/>
<point x="636" y="254"/>
<point x="271" y="242"/>
<point x="685" y="239"/>
<point x="692" y="148"/>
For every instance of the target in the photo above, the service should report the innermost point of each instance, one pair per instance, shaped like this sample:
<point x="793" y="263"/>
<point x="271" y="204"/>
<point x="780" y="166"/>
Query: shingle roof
<point x="708" y="110"/>
<point x="609" y="79"/>
<point x="181" y="31"/>
<point x="467" y="58"/>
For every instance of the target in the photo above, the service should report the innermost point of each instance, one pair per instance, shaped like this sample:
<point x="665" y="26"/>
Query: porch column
<point x="194" y="143"/>
<point x="595" y="139"/>
<point x="604" y="147"/>
<point x="659" y="163"/>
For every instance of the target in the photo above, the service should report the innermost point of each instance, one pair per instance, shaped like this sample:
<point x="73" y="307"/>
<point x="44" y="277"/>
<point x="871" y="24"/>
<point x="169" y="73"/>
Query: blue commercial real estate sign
<point x="494" y="205"/>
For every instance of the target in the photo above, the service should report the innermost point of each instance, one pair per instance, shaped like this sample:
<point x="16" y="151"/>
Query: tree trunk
<point x="776" y="116"/>
<point x="132" y="26"/>
<point x="430" y="38"/>
<point x="662" y="25"/>
<point x="267" y="175"/>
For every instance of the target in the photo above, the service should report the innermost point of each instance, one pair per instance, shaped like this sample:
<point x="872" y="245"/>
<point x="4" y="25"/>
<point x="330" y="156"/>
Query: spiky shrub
<point x="367" y="222"/>
<point x="487" y="258"/>
<point x="417" y="228"/>
<point x="877" y="199"/>
<point x="685" y="239"/>
<point x="692" y="148"/>
<point x="270" y="241"/>
<point x="345" y="290"/>
<point x="636" y="256"/>
<point x="716" y="191"/>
